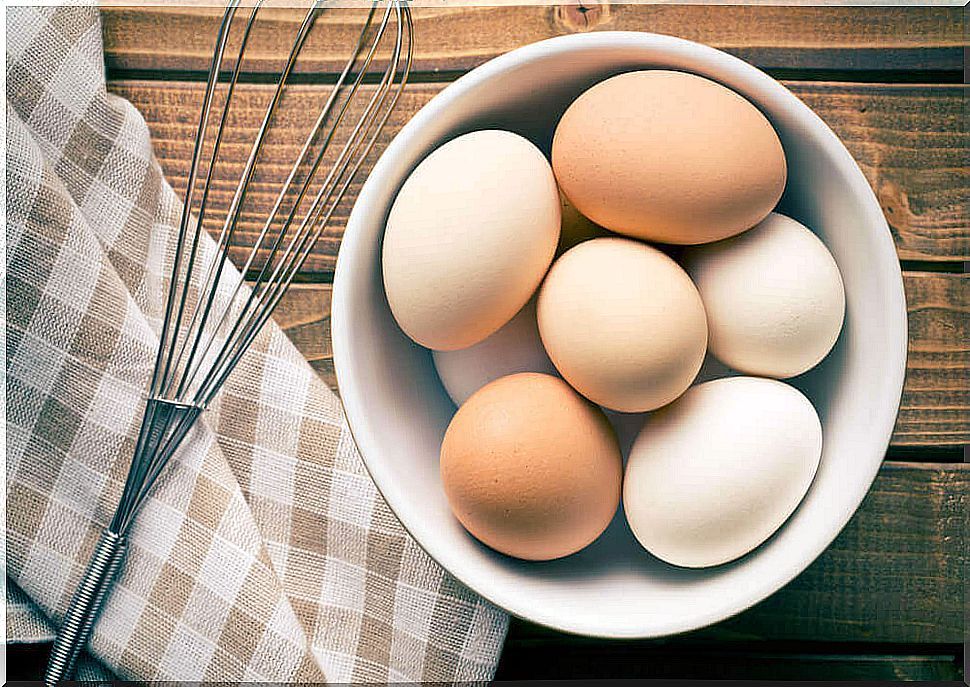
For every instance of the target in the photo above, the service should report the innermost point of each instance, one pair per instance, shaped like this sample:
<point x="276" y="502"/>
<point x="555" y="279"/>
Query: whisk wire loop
<point x="161" y="366"/>
<point x="261" y="283"/>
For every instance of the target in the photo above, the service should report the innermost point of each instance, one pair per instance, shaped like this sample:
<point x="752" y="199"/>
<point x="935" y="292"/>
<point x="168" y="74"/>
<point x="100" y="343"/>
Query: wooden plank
<point x="935" y="409"/>
<point x="936" y="397"/>
<point x="895" y="574"/>
<point x="910" y="141"/>
<point x="569" y="658"/>
<point x="460" y="37"/>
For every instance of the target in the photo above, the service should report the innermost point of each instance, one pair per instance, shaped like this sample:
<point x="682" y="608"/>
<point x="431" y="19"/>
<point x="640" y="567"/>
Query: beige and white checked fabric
<point x="266" y="553"/>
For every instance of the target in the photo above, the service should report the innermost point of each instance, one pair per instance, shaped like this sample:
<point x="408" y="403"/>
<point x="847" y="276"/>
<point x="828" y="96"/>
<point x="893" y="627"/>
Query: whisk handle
<point x="85" y="606"/>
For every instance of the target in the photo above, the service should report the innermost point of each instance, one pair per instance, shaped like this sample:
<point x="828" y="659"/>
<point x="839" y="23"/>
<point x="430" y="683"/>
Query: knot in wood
<point x="583" y="15"/>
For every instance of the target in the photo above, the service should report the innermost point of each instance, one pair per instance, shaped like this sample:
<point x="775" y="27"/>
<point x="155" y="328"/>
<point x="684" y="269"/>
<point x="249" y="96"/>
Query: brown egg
<point x="668" y="156"/>
<point x="530" y="468"/>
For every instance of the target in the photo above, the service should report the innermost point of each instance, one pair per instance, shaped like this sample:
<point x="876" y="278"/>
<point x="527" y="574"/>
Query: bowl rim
<point x="354" y="403"/>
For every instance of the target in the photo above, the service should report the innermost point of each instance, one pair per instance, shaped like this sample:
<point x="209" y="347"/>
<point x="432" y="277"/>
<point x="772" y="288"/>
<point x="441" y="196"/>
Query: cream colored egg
<point x="623" y="324"/>
<point x="469" y="237"/>
<point x="515" y="347"/>
<point x="773" y="295"/>
<point x="718" y="471"/>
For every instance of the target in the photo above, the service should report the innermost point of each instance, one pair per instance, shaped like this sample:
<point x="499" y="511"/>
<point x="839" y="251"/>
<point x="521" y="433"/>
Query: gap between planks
<point x="883" y="77"/>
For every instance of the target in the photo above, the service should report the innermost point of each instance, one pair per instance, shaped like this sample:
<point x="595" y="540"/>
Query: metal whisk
<point x="203" y="337"/>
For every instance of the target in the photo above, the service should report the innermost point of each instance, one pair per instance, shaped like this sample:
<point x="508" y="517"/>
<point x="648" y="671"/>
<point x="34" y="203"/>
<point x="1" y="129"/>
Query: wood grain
<point x="462" y="35"/>
<point x="935" y="408"/>
<point x="910" y="141"/>
<point x="895" y="574"/>
<point x="936" y="398"/>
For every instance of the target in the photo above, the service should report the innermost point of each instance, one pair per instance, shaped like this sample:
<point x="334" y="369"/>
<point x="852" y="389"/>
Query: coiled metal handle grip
<point x="85" y="606"/>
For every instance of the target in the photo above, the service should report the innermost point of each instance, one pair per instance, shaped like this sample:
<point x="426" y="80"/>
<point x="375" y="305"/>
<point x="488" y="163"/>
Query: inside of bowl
<point x="614" y="587"/>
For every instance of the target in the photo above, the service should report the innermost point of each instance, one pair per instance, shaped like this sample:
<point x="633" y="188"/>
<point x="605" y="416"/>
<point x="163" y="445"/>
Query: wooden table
<point x="886" y="600"/>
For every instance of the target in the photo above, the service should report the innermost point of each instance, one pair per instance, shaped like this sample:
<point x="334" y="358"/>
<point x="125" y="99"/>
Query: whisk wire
<point x="266" y="293"/>
<point x="320" y="224"/>
<point x="161" y="366"/>
<point x="177" y="427"/>
<point x="136" y="472"/>
<point x="304" y="152"/>
<point x="215" y="70"/>
<point x="313" y="224"/>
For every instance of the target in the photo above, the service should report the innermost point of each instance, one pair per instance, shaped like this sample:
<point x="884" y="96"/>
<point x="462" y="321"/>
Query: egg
<point x="668" y="156"/>
<point x="515" y="347"/>
<point x="622" y="323"/>
<point x="774" y="298"/>
<point x="530" y="468"/>
<point x="469" y="237"/>
<point x="719" y="470"/>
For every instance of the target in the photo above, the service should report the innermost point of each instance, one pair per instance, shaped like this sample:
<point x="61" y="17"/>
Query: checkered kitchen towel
<point x="266" y="553"/>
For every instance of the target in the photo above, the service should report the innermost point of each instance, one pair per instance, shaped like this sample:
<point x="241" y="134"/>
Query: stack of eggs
<point x="550" y="293"/>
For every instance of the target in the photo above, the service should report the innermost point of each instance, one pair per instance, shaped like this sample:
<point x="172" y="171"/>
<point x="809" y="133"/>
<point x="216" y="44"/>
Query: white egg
<point x="469" y="238"/>
<point x="515" y="347"/>
<point x="773" y="296"/>
<point x="715" y="473"/>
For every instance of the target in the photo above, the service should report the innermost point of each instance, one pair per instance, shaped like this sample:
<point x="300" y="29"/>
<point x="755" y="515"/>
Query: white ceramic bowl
<point x="398" y="410"/>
